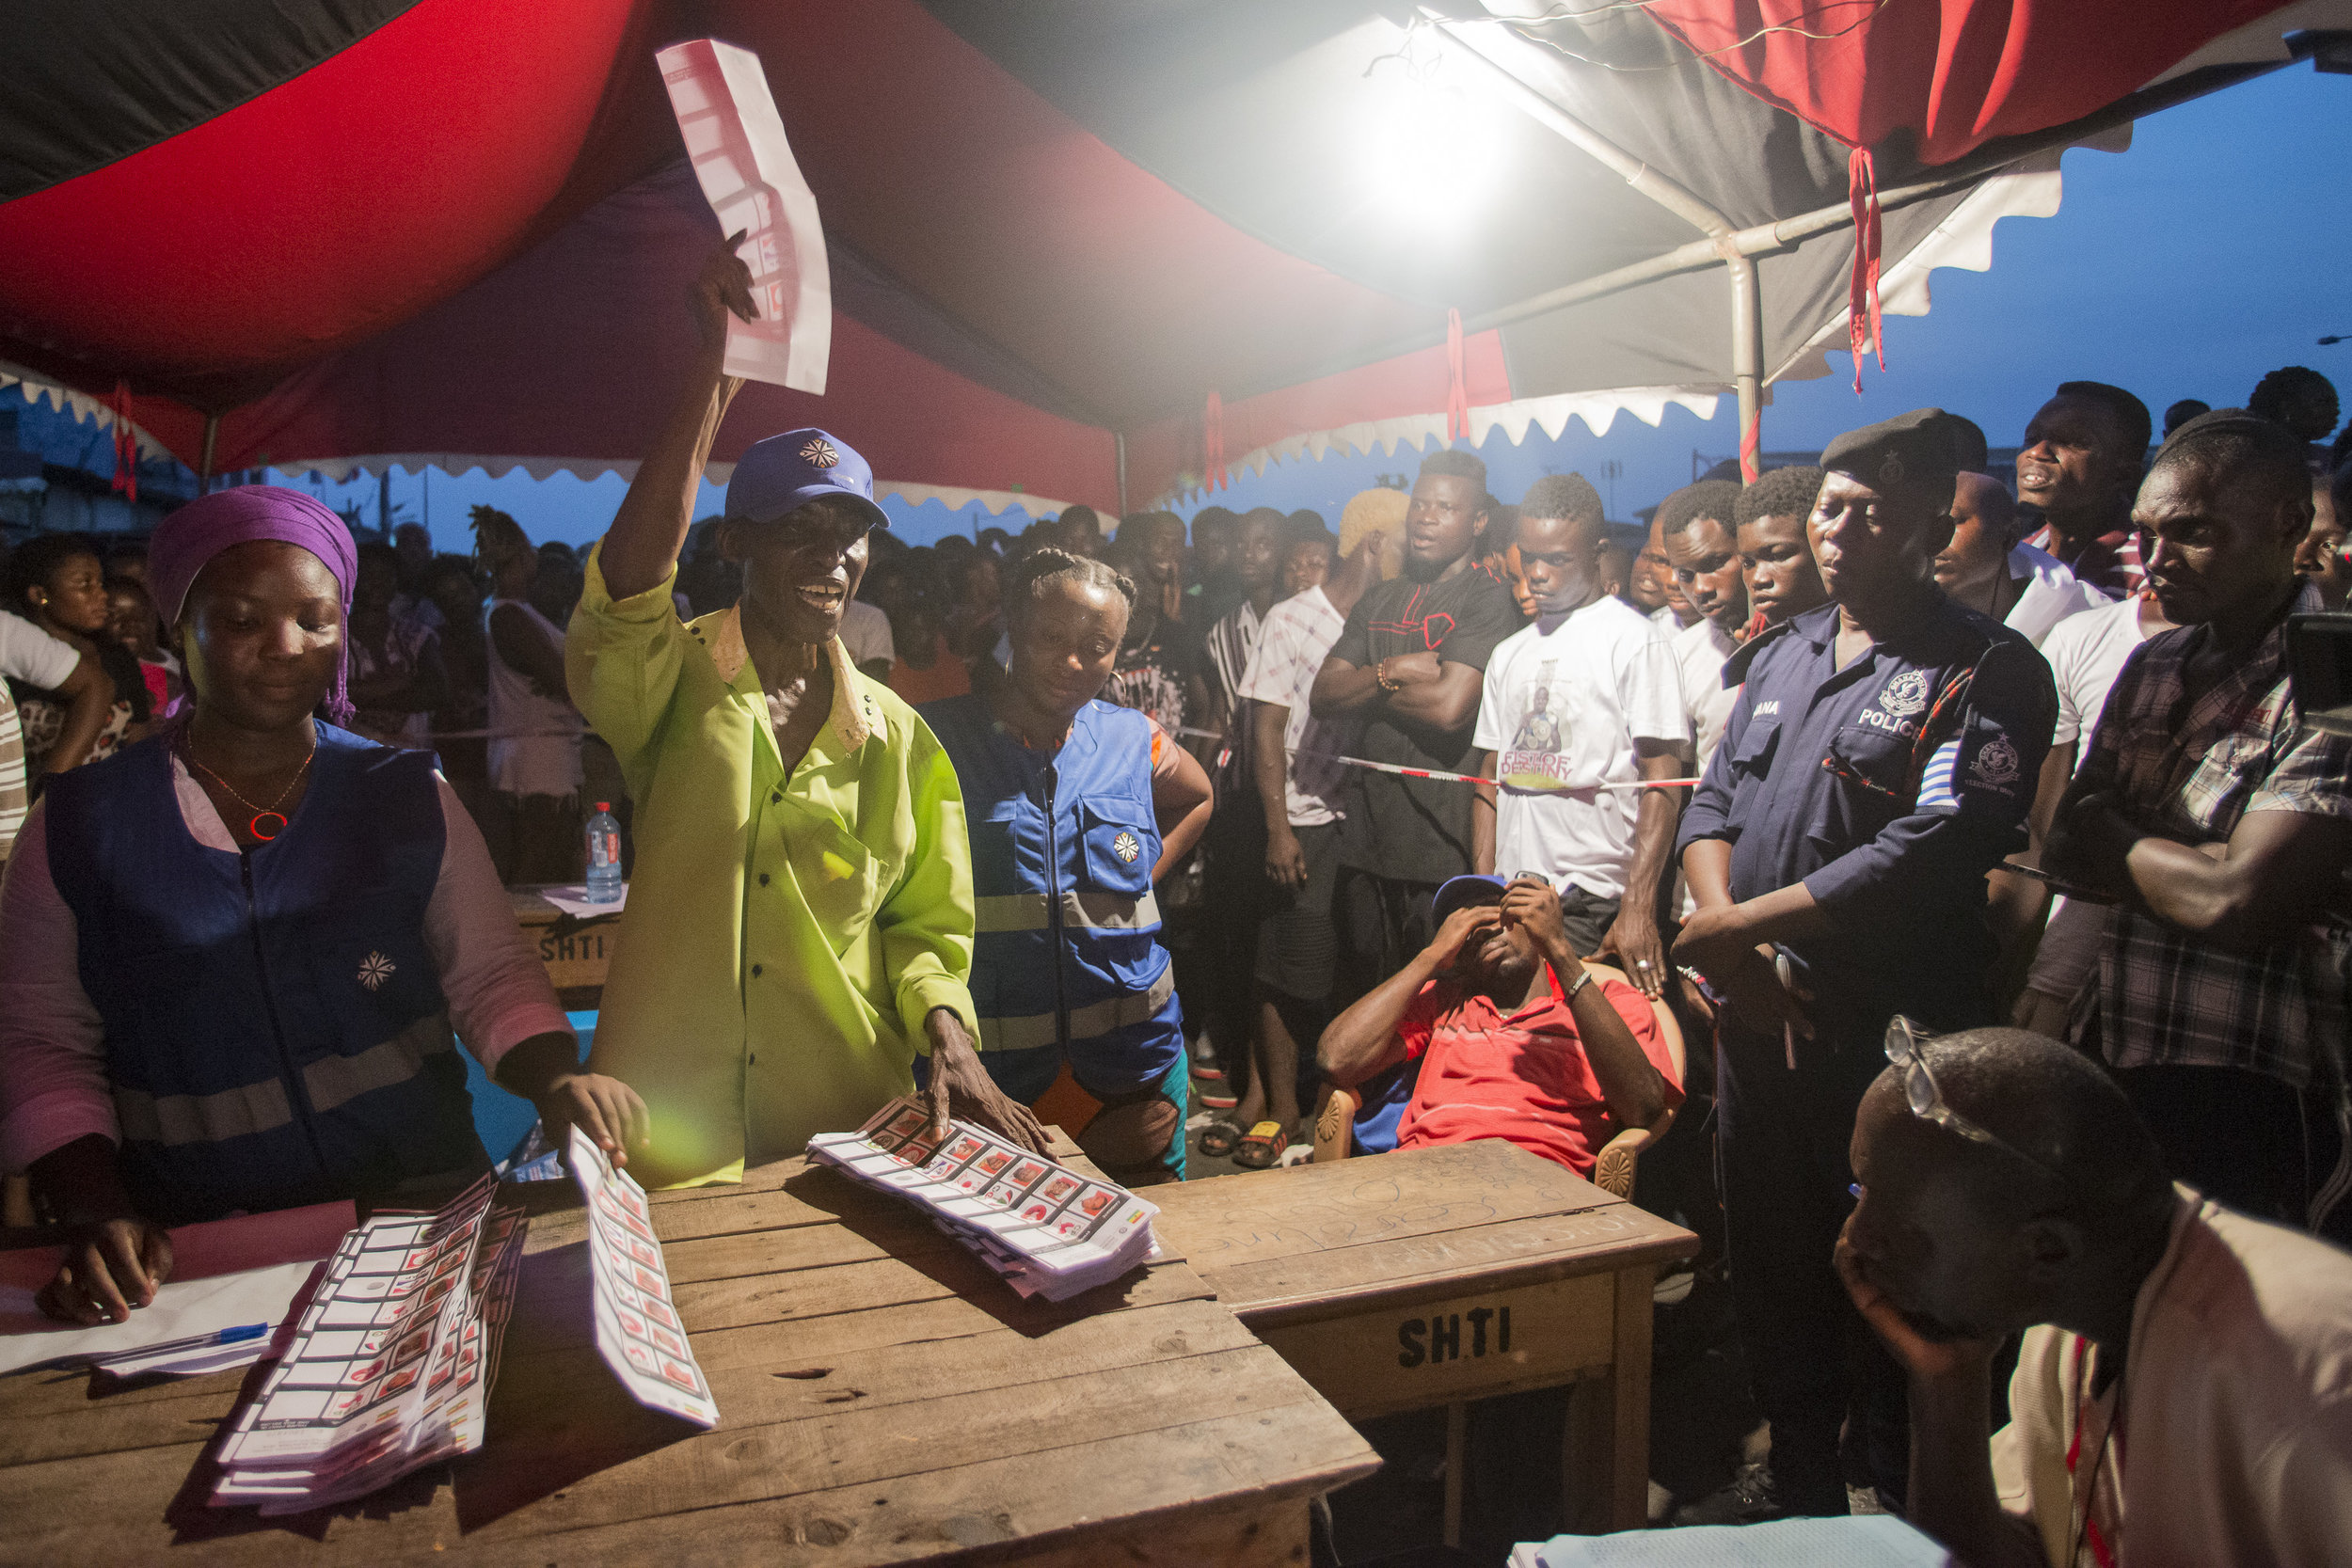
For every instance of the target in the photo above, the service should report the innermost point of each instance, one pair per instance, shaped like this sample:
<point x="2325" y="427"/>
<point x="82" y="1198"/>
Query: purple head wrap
<point x="190" y="537"/>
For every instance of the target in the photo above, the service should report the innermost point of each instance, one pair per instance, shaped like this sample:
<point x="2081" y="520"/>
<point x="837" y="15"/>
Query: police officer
<point x="1876" y="765"/>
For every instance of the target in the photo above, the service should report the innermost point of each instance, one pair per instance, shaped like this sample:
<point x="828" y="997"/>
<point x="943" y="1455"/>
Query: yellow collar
<point x="855" y="715"/>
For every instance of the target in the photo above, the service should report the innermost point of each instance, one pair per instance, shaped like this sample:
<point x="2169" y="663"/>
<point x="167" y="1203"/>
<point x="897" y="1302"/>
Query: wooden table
<point x="884" y="1399"/>
<point x="575" y="949"/>
<point x="1436" y="1277"/>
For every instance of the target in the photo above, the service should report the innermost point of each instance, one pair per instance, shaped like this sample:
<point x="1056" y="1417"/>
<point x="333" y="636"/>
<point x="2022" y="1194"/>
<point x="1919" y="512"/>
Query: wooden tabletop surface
<point x="884" y="1398"/>
<point x="1284" y="1244"/>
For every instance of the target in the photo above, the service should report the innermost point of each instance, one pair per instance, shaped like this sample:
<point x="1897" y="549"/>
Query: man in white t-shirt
<point x="1585" y="697"/>
<point x="30" y="655"/>
<point x="2086" y="654"/>
<point x="1702" y="540"/>
<point x="1986" y="568"/>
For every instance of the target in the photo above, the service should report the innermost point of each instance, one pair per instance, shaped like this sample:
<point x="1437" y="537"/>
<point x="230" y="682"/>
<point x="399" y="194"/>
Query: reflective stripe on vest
<point x="1027" y="1032"/>
<point x="193" y="1118"/>
<point x="1082" y="908"/>
<point x="332" y="1079"/>
<point x="201" y="1119"/>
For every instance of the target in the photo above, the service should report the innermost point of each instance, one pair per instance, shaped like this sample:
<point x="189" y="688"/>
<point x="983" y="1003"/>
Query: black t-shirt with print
<point x="1154" y="673"/>
<point x="1418" y="830"/>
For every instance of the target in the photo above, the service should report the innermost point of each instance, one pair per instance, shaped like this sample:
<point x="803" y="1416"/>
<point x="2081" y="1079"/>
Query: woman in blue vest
<point x="231" y="956"/>
<point x="1075" y="808"/>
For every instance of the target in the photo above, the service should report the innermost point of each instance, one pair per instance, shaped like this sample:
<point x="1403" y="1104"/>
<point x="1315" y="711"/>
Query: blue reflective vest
<point x="275" y="1033"/>
<point x="1066" y="952"/>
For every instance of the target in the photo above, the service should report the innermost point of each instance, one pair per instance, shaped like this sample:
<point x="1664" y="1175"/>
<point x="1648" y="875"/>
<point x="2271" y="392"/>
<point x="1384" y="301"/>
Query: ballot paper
<point x="572" y="899"/>
<point x="390" y="1364"/>
<point x="228" y="1277"/>
<point x="638" y="1332"/>
<point x="736" y="142"/>
<point x="1047" y="1229"/>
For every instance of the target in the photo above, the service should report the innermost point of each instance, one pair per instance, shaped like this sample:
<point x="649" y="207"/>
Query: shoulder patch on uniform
<point x="1996" y="764"/>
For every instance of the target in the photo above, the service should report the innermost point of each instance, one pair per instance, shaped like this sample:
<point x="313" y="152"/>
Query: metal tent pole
<point x="1118" y="441"/>
<point x="212" y="440"/>
<point x="1747" y="363"/>
<point x="1722" y="244"/>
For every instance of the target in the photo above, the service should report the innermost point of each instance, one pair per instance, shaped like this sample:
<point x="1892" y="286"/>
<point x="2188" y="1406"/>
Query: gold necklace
<point x="188" y="750"/>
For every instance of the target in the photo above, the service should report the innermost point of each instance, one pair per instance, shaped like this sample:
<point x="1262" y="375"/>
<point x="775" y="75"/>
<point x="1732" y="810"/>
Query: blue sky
<point x="2216" y="249"/>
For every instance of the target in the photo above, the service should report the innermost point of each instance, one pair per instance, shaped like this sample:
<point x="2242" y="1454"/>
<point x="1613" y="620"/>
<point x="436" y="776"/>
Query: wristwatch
<point x="1583" y="978"/>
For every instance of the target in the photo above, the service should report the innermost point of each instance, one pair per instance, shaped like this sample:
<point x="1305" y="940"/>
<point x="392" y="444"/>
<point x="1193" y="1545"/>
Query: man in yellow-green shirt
<point x="799" y="920"/>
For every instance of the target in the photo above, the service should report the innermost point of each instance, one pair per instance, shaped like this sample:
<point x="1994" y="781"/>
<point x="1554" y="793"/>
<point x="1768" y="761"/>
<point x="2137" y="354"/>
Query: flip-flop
<point x="1218" y="1101"/>
<point x="1218" y="1138"/>
<point x="1261" y="1147"/>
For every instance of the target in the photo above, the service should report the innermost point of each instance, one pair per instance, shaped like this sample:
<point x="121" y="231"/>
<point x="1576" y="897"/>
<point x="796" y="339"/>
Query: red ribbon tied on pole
<point x="126" y="482"/>
<point x="1862" y="303"/>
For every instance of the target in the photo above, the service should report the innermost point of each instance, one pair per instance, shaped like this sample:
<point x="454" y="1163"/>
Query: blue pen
<point x="194" y="1341"/>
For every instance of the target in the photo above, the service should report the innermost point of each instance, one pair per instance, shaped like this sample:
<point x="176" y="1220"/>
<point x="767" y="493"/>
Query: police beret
<point x="1923" y="451"/>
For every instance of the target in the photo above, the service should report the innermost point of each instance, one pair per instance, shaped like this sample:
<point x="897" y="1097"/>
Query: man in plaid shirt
<point x="2223" y="830"/>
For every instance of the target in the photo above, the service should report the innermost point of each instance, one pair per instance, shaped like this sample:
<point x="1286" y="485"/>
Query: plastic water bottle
<point x="604" y="857"/>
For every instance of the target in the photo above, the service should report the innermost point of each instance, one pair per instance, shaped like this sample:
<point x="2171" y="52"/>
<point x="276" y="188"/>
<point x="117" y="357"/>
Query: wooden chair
<point x="1335" y="1110"/>
<point x="1335" y="1124"/>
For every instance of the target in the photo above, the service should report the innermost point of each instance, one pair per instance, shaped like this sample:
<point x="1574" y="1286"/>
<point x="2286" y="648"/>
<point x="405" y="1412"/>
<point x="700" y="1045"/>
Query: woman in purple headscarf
<point x="234" y="957"/>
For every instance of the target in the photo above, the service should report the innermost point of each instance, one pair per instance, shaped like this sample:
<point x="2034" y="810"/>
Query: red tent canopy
<point x="458" y="231"/>
<point x="1952" y="78"/>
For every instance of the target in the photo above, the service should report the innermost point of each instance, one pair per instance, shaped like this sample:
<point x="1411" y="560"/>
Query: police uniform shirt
<point x="1889" y="789"/>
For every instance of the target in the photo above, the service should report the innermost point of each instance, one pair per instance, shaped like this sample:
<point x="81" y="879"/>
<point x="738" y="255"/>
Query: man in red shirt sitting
<point x="1515" y="1038"/>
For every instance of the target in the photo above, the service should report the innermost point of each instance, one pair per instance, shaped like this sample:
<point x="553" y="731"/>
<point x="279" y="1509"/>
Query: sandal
<point x="1261" y="1147"/>
<point x="1218" y="1138"/>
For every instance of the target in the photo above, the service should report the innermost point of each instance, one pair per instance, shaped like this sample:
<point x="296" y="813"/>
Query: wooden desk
<point x="575" y="950"/>
<point x="884" y="1399"/>
<point x="1435" y="1276"/>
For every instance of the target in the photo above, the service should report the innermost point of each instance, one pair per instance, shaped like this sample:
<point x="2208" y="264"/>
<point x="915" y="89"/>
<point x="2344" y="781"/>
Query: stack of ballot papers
<point x="390" y="1364"/>
<point x="1048" y="1230"/>
<point x="638" y="1332"/>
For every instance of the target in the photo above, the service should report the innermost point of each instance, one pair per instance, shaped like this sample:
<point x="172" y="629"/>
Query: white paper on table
<point x="226" y="1273"/>
<point x="1871" y="1541"/>
<point x="181" y="1309"/>
<point x="736" y="140"/>
<point x="574" y="900"/>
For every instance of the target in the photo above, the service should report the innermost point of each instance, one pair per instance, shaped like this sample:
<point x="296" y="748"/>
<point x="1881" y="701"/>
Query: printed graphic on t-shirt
<point x="1538" y="757"/>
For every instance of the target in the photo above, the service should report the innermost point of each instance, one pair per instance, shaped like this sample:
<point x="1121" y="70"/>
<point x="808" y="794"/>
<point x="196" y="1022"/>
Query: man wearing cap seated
<point x="800" y="924"/>
<point x="1878" y="763"/>
<point x="1516" y="1038"/>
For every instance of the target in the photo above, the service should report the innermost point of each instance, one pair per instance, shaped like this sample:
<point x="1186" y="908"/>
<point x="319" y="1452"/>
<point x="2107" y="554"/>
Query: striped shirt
<point x="1228" y="646"/>
<point x="13" y="803"/>
<point x="29" y="655"/>
<point x="2190" y="772"/>
<point x="2110" y="563"/>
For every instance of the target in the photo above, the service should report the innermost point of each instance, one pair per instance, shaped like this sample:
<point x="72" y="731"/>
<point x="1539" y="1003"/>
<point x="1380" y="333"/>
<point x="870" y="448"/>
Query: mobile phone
<point x="2319" y="670"/>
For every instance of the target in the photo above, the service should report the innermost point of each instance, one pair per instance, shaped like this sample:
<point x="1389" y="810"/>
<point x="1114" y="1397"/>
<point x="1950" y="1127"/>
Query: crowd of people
<point x="1963" y="853"/>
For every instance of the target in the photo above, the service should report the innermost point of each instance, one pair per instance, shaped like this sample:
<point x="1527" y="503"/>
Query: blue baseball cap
<point x="1457" y="892"/>
<point x="774" y="476"/>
